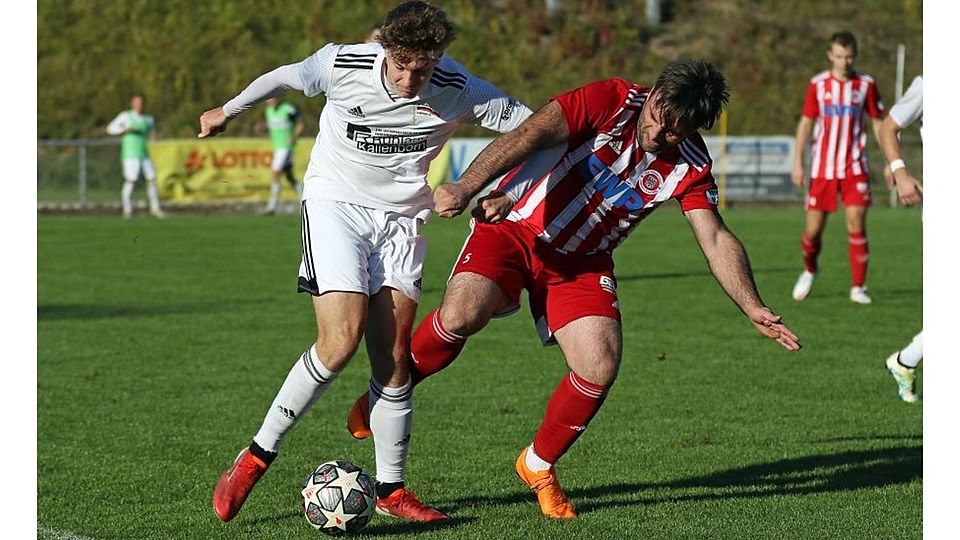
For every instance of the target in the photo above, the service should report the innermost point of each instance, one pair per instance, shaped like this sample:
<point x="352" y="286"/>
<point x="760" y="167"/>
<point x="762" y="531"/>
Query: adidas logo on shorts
<point x="357" y="112"/>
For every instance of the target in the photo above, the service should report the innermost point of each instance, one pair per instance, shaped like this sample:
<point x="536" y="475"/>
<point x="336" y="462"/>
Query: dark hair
<point x="416" y="28"/>
<point x="691" y="95"/>
<point x="844" y="39"/>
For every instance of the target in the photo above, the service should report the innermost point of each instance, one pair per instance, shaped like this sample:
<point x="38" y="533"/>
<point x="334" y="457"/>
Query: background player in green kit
<point x="285" y="126"/>
<point x="137" y="130"/>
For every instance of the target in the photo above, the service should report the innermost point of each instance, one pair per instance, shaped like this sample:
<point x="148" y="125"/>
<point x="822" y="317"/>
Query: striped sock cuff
<point x="318" y="372"/>
<point x="857" y="239"/>
<point x="588" y="389"/>
<point x="437" y="325"/>
<point x="390" y="396"/>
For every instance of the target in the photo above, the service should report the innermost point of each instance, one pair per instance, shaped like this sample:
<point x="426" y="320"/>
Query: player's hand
<point x="450" y="200"/>
<point x="771" y="325"/>
<point x="888" y="178"/>
<point x="796" y="176"/>
<point x="910" y="189"/>
<point x="493" y="207"/>
<point x="212" y="122"/>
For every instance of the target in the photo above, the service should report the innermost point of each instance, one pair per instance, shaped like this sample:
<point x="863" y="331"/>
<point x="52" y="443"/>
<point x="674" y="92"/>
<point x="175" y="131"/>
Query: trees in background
<point x="185" y="56"/>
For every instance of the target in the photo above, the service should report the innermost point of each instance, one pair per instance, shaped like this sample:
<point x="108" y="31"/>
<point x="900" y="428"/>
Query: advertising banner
<point x="753" y="168"/>
<point x="190" y="170"/>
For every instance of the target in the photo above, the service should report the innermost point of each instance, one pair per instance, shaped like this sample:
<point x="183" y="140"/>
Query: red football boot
<point x="404" y="504"/>
<point x="236" y="483"/>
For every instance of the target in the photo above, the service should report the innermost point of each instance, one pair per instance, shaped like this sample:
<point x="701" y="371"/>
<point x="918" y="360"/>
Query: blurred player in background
<point x="838" y="100"/>
<point x="285" y="127"/>
<point x="593" y="163"/>
<point x="374" y="36"/>
<point x="138" y="130"/>
<point x="908" y="110"/>
<point x="391" y="106"/>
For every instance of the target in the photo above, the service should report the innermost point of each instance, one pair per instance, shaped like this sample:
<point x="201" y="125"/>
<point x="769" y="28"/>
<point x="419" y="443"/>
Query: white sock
<point x="534" y="462"/>
<point x="911" y="355"/>
<point x="126" y="195"/>
<point x="306" y="382"/>
<point x="391" y="420"/>
<point x="153" y="196"/>
<point x="274" y="196"/>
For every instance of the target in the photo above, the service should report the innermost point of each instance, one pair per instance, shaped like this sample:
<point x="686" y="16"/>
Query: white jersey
<point x="909" y="108"/>
<point x="374" y="148"/>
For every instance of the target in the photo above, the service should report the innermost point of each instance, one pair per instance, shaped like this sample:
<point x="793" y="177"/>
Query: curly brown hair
<point x="415" y="29"/>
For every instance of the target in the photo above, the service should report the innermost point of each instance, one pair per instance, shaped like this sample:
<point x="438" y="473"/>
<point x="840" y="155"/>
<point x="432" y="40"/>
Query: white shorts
<point x="132" y="168"/>
<point x="352" y="248"/>
<point x="281" y="159"/>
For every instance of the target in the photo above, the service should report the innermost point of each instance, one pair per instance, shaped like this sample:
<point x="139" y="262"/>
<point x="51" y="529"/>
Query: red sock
<point x="859" y="254"/>
<point x="433" y="347"/>
<point x="811" y="250"/>
<point x="573" y="405"/>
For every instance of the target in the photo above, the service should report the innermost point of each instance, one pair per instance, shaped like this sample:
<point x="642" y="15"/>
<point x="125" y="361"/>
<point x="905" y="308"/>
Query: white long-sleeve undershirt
<point x="273" y="83"/>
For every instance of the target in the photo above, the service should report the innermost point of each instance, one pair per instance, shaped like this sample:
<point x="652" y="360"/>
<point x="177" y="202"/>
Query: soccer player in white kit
<point x="137" y="130"/>
<point x="909" y="109"/>
<point x="390" y="108"/>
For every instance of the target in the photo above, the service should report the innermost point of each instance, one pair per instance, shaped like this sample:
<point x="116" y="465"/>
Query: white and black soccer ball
<point x="338" y="497"/>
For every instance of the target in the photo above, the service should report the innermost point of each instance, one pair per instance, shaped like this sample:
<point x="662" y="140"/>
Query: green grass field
<point x="161" y="344"/>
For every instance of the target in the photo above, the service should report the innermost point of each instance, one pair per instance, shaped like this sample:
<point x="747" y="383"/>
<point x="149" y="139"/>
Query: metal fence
<point x="88" y="172"/>
<point x="78" y="171"/>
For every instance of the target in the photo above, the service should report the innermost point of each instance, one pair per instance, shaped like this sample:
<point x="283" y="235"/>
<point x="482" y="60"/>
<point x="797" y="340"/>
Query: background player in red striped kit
<point x="835" y="106"/>
<point x="595" y="162"/>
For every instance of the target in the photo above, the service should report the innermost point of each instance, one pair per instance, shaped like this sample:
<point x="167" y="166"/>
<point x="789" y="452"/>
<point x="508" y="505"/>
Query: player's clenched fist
<point x="212" y="122"/>
<point x="450" y="200"/>
<point x="493" y="208"/>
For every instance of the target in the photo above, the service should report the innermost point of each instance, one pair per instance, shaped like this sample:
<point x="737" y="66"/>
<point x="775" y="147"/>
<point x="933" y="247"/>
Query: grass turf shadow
<point x="821" y="473"/>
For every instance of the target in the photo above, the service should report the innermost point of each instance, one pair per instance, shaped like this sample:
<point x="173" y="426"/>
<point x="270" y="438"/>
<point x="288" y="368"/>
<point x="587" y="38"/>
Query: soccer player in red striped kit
<point x="593" y="163"/>
<point x="836" y="105"/>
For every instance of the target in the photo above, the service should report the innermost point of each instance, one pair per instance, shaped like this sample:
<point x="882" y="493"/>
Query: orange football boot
<point x="402" y="503"/>
<point x="553" y="502"/>
<point x="358" y="421"/>
<point x="236" y="483"/>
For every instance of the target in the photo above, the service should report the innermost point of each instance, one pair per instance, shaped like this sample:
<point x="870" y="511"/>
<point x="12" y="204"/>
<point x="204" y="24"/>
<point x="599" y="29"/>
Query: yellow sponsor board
<point x="221" y="169"/>
<point x="237" y="168"/>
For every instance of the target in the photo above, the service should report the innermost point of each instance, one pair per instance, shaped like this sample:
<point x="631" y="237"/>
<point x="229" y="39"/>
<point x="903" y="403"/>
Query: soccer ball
<point x="338" y="497"/>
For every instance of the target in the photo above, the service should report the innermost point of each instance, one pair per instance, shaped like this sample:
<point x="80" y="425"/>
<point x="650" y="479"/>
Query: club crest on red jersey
<point x="650" y="182"/>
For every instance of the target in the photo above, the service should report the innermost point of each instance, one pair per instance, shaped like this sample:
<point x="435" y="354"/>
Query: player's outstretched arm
<point x="730" y="266"/>
<point x="269" y="84"/>
<point x="546" y="127"/>
<point x="909" y="188"/>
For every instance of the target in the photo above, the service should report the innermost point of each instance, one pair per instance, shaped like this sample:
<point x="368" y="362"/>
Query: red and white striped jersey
<point x="588" y="199"/>
<point x="840" y="132"/>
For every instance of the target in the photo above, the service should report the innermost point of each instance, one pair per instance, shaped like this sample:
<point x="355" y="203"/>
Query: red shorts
<point x="562" y="287"/>
<point x="854" y="191"/>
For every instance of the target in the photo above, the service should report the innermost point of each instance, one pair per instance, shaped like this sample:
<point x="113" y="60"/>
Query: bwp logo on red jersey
<point x="619" y="192"/>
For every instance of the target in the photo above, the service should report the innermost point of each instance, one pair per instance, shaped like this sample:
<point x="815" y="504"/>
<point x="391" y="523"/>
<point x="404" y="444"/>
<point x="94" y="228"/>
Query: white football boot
<point x="904" y="377"/>
<point x="804" y="284"/>
<point x="859" y="295"/>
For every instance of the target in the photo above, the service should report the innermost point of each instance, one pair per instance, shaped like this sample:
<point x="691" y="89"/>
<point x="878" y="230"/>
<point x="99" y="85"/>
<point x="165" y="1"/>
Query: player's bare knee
<point x="463" y="318"/>
<point x="335" y="347"/>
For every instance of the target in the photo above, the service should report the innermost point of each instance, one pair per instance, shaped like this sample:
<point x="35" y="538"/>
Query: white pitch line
<point x="50" y="533"/>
